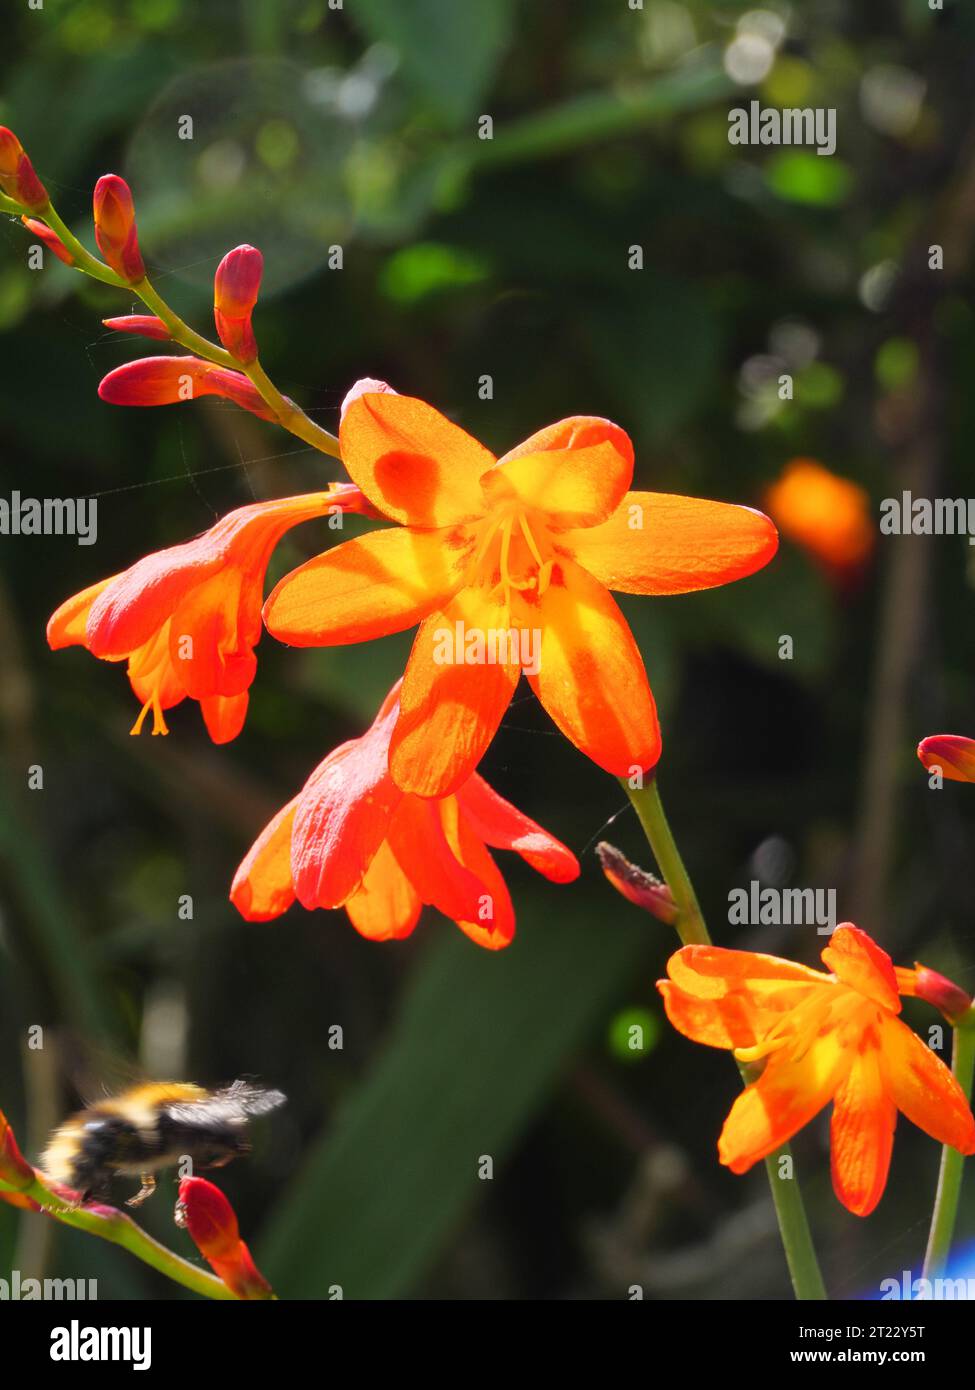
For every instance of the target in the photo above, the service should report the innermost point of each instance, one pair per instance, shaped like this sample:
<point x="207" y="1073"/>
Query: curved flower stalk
<point x="353" y="839"/>
<point x="520" y="551"/>
<point x="823" y="1037"/>
<point x="212" y="1222"/>
<point x="187" y="619"/>
<point x="25" y="1186"/>
<point x="243" y="379"/>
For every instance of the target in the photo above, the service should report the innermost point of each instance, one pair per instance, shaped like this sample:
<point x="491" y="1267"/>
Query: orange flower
<point x="187" y="619"/>
<point x="506" y="563"/>
<point x="17" y="177"/>
<point x="212" y="1222"/>
<point x="826" y="1038"/>
<point x="115" y="229"/>
<point x="950" y="754"/>
<point x="827" y="515"/>
<point x="170" y="380"/>
<point x="235" y="289"/>
<point x="351" y="838"/>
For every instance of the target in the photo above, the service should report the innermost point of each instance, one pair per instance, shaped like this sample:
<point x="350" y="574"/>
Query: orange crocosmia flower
<point x="824" y="1037"/>
<point x="506" y="564"/>
<point x="351" y="838"/>
<point x="187" y="619"/>
<point x="952" y="755"/>
<point x="827" y="515"/>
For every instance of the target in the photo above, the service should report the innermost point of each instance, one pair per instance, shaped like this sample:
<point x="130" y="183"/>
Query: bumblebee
<point x="149" y="1127"/>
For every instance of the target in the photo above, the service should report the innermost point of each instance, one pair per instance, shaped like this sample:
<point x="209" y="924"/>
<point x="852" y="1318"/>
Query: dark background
<point x="315" y="128"/>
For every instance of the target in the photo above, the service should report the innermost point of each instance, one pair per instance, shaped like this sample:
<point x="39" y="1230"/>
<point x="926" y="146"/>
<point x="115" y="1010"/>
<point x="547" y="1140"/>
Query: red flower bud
<point x="50" y="239"/>
<point x="146" y="324"/>
<point x="235" y="289"/>
<point x="17" y="177"/>
<point x="210" y="1219"/>
<point x="636" y="885"/>
<point x="15" y="1171"/>
<point x="115" y="228"/>
<point x="951" y="754"/>
<point x="936" y="989"/>
<point x="168" y="380"/>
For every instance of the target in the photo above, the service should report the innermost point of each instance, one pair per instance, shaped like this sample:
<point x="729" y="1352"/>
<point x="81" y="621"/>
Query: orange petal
<point x="503" y="826"/>
<point x="657" y="543"/>
<point x="952" y="754"/>
<point x="417" y="839"/>
<point x="67" y="625"/>
<point x="411" y="461"/>
<point x="591" y="677"/>
<point x="380" y="583"/>
<point x="862" y="1135"/>
<point x="727" y="1023"/>
<point x="576" y="471"/>
<point x="863" y="965"/>
<point x="262" y="886"/>
<point x="494" y="925"/>
<point x="923" y="1088"/>
<point x="343" y="816"/>
<point x="711" y="972"/>
<point x="212" y="635"/>
<point x="450" y="711"/>
<point x="224" y="715"/>
<point x="784" y="1098"/>
<point x="385" y="906"/>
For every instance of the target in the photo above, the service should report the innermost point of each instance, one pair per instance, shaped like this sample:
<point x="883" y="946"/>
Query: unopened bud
<point x="235" y="290"/>
<point x="115" y="229"/>
<point x="17" y="177"/>
<point x="638" y="886"/>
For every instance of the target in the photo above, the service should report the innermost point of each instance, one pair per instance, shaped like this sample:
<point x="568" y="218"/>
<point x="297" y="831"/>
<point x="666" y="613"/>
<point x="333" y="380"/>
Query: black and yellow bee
<point x="149" y="1127"/>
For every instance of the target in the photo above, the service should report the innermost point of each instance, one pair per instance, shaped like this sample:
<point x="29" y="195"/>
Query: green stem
<point x="121" y="1230"/>
<point x="952" y="1162"/>
<point x="800" y="1254"/>
<point x="289" y="415"/>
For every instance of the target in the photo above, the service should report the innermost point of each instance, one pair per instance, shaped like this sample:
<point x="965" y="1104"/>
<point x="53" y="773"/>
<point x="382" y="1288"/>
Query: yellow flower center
<point x="513" y="553"/>
<point x="828" y="1008"/>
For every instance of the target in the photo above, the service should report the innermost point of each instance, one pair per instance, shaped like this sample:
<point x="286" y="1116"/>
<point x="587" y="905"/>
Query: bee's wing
<point x="234" y="1105"/>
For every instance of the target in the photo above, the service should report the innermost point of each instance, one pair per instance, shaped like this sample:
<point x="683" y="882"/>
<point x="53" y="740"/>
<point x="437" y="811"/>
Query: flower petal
<point x="379" y="583"/>
<point x="952" y="754"/>
<point x="417" y="839"/>
<point x="385" y="906"/>
<point x="726" y="998"/>
<point x="262" y="886"/>
<point x="863" y="965"/>
<point x="576" y="471"/>
<point x="503" y="826"/>
<point x="923" y="1088"/>
<point x="591" y="678"/>
<point x="658" y="543"/>
<point x="343" y="816"/>
<point x="494" y="925"/>
<point x="224" y="715"/>
<point x="67" y="625"/>
<point x="785" y="1097"/>
<point x="862" y="1134"/>
<point x="413" y="463"/>
<point x="450" y="711"/>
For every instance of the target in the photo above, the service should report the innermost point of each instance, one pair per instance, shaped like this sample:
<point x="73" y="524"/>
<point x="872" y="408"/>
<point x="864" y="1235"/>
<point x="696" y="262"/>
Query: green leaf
<point x="479" y="1041"/>
<point x="449" y="50"/>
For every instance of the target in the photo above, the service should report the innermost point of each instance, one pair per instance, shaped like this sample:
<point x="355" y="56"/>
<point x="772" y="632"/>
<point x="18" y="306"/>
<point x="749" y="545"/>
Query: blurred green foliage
<point x="315" y="128"/>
